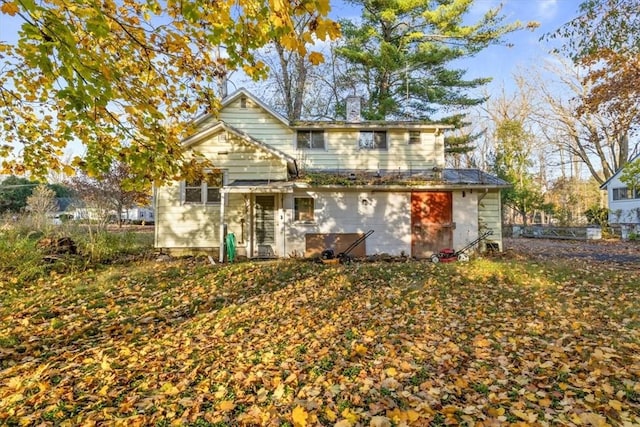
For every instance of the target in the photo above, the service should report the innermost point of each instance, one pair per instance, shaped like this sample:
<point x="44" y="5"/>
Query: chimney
<point x="354" y="104"/>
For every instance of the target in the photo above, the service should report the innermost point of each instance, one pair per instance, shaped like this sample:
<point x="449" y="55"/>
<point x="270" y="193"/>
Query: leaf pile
<point x="292" y="343"/>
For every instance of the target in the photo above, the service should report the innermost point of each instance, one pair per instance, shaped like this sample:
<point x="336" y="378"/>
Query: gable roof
<point x="292" y="165"/>
<point x="237" y="94"/>
<point x="606" y="183"/>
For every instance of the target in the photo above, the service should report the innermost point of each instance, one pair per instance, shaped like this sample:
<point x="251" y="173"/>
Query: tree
<point x="631" y="175"/>
<point x="603" y="40"/>
<point x="40" y="204"/>
<point x="401" y="51"/>
<point x="512" y="163"/>
<point x="125" y="78"/>
<point x="14" y="192"/>
<point x="598" y="139"/>
<point x="109" y="192"/>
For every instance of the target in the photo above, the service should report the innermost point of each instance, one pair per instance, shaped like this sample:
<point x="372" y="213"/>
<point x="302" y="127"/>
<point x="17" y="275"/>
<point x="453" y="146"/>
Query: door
<point x="265" y="226"/>
<point x="431" y="223"/>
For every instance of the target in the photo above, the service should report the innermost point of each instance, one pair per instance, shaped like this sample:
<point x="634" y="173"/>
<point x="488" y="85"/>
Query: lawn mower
<point x="328" y="256"/>
<point x="449" y="255"/>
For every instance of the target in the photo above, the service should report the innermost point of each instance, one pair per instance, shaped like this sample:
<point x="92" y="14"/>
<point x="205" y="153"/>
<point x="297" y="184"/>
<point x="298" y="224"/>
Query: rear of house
<point x="288" y="190"/>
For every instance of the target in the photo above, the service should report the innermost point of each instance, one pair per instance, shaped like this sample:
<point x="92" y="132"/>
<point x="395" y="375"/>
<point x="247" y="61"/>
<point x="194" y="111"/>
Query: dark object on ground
<point x="449" y="255"/>
<point x="328" y="256"/>
<point x="57" y="246"/>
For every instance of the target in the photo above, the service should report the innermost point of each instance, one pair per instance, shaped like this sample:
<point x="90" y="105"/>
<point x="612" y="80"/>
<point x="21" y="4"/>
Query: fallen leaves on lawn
<point x="301" y="344"/>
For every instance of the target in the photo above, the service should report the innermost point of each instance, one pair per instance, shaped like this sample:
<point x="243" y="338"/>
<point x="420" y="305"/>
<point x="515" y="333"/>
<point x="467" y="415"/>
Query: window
<point x="310" y="139"/>
<point x="303" y="208"/>
<point x="205" y="191"/>
<point x="371" y="140"/>
<point x="414" y="137"/>
<point x="243" y="102"/>
<point x="621" y="193"/>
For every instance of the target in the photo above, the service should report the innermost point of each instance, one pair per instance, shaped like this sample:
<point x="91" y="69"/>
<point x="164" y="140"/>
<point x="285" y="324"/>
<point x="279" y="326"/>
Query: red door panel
<point x="431" y="222"/>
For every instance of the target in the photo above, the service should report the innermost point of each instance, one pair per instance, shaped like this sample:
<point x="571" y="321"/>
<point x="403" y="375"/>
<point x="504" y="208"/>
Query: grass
<point x="183" y="342"/>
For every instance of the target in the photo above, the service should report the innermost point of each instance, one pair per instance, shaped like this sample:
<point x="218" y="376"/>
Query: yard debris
<point x="54" y="247"/>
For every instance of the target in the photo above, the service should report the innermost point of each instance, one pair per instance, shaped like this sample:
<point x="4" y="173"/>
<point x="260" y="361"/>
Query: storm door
<point x="264" y="217"/>
<point x="431" y="223"/>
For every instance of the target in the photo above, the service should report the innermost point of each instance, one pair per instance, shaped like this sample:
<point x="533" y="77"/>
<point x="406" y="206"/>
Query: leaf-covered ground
<point x="293" y="343"/>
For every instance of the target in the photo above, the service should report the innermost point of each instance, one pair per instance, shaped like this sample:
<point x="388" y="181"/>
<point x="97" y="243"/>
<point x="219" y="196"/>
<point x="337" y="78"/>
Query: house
<point x="623" y="202"/>
<point x="137" y="214"/>
<point x="293" y="189"/>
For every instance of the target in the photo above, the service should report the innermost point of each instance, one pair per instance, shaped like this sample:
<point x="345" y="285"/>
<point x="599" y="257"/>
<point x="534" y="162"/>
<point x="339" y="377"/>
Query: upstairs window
<point x="310" y="139"/>
<point x="372" y="140"/>
<point x="414" y="137"/>
<point x="205" y="191"/>
<point x="621" y="193"/>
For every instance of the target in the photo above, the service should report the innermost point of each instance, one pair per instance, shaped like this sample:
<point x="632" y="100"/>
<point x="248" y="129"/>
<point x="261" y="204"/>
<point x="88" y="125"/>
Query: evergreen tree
<point x="401" y="51"/>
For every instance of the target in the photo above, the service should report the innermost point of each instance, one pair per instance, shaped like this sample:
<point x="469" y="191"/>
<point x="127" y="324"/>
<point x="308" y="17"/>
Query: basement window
<point x="303" y="209"/>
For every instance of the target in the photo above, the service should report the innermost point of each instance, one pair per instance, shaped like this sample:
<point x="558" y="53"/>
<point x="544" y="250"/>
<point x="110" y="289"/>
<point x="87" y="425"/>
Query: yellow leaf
<point x="360" y="349"/>
<point x="226" y="406"/>
<point x="615" y="404"/>
<point x="496" y="412"/>
<point x="9" y="8"/>
<point x="299" y="416"/>
<point x="343" y="423"/>
<point x="330" y="415"/>
<point x="545" y="403"/>
<point x="316" y="58"/>
<point x="392" y="372"/>
<point x="350" y="416"/>
<point x="379" y="421"/>
<point x="593" y="419"/>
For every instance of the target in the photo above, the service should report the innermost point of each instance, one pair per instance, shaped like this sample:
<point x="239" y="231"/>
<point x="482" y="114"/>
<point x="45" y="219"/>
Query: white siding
<point x="490" y="215"/>
<point x="342" y="152"/>
<point x="465" y="216"/>
<point x="622" y="211"/>
<point x="183" y="225"/>
<point x="341" y="145"/>
<point x="388" y="214"/>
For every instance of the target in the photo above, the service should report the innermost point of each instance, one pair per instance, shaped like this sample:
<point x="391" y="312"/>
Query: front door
<point x="431" y="223"/>
<point x="265" y="226"/>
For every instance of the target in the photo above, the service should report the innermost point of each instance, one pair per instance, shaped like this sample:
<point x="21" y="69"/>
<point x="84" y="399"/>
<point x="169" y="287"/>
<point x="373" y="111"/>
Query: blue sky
<point x="500" y="62"/>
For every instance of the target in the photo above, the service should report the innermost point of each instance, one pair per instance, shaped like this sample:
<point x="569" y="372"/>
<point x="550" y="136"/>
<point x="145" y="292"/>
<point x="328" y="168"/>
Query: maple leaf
<point x="9" y="8"/>
<point x="299" y="416"/>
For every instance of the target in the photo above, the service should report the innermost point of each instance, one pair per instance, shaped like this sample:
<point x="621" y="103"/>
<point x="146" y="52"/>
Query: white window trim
<point x="409" y="137"/>
<point x="297" y="221"/>
<point x="203" y="191"/>
<point x="386" y="140"/>
<point x="324" y="140"/>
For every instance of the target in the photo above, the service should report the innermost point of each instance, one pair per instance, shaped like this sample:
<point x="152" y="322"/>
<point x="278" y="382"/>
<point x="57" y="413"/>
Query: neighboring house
<point x="624" y="202"/>
<point x="138" y="213"/>
<point x="293" y="189"/>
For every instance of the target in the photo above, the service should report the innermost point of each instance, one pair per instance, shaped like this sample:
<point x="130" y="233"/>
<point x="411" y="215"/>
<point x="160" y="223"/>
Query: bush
<point x="21" y="259"/>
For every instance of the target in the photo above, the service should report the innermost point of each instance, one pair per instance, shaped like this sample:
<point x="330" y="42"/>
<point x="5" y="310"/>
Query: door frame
<point x="441" y="225"/>
<point x="278" y="237"/>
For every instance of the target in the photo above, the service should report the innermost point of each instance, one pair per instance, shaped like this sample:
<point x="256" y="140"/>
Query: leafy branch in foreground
<point x="124" y="78"/>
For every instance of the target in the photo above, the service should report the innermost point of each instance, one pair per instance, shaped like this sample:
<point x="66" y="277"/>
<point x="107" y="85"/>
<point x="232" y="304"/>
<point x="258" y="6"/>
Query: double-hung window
<point x="206" y="190"/>
<point x="310" y="139"/>
<point x="372" y="140"/>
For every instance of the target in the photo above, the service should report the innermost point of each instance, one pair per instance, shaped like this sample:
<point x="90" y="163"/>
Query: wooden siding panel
<point x="490" y="215"/>
<point x="342" y="152"/>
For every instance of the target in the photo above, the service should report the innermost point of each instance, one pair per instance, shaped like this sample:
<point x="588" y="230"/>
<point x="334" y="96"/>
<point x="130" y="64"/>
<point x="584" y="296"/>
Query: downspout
<point x="223" y="200"/>
<point x="155" y="219"/>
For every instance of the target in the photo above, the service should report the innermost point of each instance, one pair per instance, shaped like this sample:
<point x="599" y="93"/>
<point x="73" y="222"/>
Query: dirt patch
<point x="597" y="250"/>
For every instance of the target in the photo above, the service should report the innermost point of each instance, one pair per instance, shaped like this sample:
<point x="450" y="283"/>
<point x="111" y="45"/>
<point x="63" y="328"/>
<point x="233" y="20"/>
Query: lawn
<point x="294" y="343"/>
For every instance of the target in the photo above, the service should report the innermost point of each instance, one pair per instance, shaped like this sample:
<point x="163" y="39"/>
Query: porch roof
<point x="258" y="186"/>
